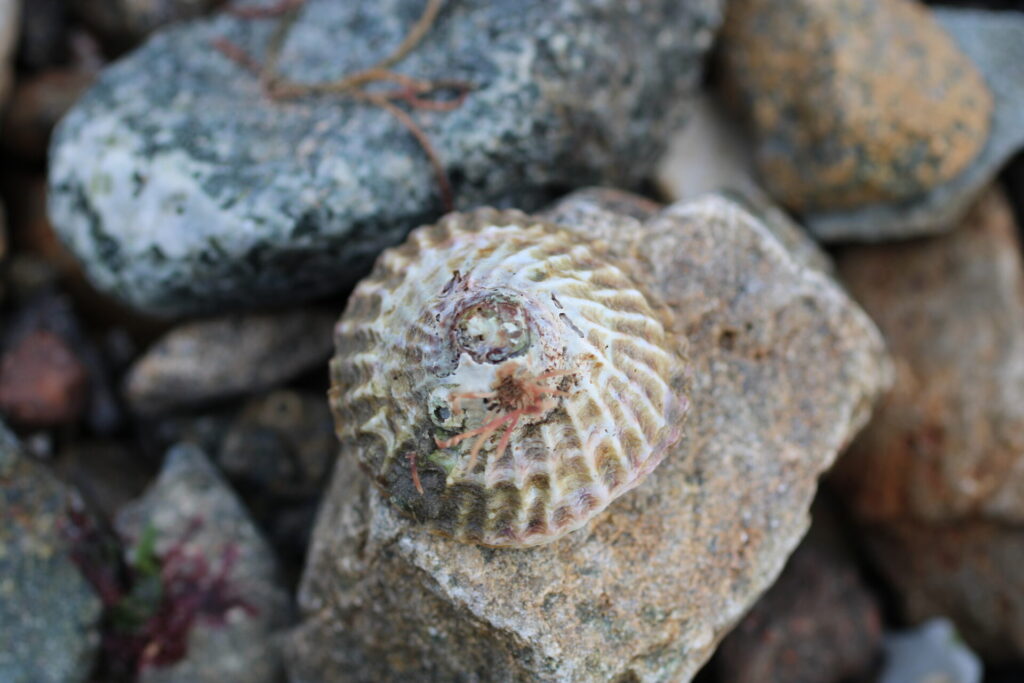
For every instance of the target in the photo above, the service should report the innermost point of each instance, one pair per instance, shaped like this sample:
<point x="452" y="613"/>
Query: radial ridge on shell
<point x="503" y="379"/>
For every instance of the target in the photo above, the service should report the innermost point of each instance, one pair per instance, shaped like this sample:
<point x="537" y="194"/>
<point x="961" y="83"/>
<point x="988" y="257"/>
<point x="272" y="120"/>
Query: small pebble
<point x="43" y="383"/>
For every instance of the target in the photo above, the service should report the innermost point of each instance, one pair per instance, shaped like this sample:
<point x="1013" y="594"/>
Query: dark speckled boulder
<point x="182" y="187"/>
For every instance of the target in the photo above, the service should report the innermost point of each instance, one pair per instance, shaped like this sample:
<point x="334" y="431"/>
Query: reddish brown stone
<point x="817" y="624"/>
<point x="42" y="381"/>
<point x="937" y="478"/>
<point x="948" y="441"/>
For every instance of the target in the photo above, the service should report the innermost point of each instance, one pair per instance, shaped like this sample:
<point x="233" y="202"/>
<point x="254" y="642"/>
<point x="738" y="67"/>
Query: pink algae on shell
<point x="503" y="379"/>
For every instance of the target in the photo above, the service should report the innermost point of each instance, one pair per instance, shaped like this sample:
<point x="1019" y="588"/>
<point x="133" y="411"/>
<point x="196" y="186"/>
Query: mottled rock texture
<point x="948" y="440"/>
<point x="994" y="41"/>
<point x="852" y="102"/>
<point x="182" y="187"/>
<point x="191" y="512"/>
<point x="49" y="613"/>
<point x="937" y="479"/>
<point x="785" y="371"/>
<point x="205" y="360"/>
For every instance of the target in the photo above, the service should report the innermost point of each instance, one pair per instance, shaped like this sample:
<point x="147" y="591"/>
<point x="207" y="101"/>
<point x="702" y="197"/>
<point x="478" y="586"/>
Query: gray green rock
<point x="182" y="187"/>
<point x="49" y="613"/>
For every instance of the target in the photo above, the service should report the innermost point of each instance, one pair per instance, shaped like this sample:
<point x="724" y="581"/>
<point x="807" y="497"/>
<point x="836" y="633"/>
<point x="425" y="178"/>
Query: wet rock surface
<point x="648" y="589"/>
<point x="936" y="480"/>
<point x="182" y="187"/>
<point x="205" y="360"/>
<point x="994" y="42"/>
<point x="211" y="555"/>
<point x="49" y="614"/>
<point x="852" y="103"/>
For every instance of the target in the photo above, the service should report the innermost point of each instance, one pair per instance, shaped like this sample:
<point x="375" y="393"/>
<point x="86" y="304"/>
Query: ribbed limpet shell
<point x="503" y="379"/>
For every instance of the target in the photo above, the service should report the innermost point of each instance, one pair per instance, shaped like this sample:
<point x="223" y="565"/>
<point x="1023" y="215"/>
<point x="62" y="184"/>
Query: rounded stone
<point x="183" y="187"/>
<point x="852" y="102"/>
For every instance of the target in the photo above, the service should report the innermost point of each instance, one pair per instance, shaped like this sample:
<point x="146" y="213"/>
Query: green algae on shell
<point x="503" y="379"/>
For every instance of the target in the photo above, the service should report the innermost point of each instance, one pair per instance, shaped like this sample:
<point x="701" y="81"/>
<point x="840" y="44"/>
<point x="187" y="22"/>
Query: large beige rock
<point x="937" y="479"/>
<point x="786" y="369"/>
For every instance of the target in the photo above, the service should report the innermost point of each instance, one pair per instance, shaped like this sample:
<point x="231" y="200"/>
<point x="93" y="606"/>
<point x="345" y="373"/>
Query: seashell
<point x="503" y="379"/>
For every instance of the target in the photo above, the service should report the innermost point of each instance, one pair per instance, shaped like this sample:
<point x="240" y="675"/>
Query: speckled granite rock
<point x="191" y="510"/>
<point x="786" y="368"/>
<point x="182" y="187"/>
<point x="205" y="360"/>
<point x="937" y="479"/>
<point x="49" y="614"/>
<point x="852" y="102"/>
<point x="932" y="653"/>
<point x="995" y="43"/>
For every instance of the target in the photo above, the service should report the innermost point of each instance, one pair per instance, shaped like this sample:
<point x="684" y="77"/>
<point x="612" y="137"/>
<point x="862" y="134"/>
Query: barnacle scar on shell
<point x="503" y="379"/>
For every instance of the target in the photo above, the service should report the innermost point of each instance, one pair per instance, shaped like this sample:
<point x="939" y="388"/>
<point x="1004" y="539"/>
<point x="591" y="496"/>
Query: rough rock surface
<point x="49" y="614"/>
<point x="937" y="479"/>
<point x="852" y="102"/>
<point x="994" y="41"/>
<point x="819" y="623"/>
<point x="205" y="360"/>
<point x="786" y="368"/>
<point x="182" y="187"/>
<point x="191" y="510"/>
